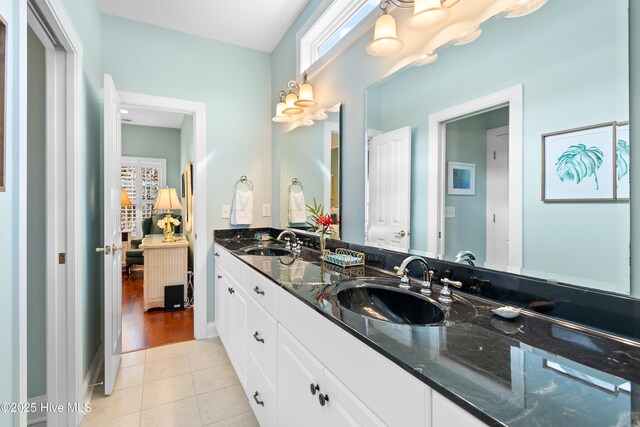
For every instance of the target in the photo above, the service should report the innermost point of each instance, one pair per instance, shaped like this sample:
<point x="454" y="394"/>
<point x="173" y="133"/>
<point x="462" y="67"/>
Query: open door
<point x="389" y="218"/>
<point x="112" y="235"/>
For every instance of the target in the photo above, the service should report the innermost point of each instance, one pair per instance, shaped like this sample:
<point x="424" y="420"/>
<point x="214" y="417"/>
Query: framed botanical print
<point x="622" y="161"/>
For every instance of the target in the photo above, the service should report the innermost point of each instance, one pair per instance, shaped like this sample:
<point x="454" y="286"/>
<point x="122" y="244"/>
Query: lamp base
<point x="168" y="229"/>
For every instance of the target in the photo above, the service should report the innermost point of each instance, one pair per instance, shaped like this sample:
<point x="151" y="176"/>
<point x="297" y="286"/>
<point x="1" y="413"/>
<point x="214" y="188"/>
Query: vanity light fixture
<point x="280" y="116"/>
<point x="425" y="14"/>
<point x="291" y="99"/>
<point x="305" y="94"/>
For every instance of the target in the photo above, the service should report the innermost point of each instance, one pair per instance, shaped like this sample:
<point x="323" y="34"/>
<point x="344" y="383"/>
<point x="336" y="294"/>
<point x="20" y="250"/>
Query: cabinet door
<point x="343" y="409"/>
<point x="298" y="371"/>
<point x="221" y="303"/>
<point x="238" y="333"/>
<point x="446" y="413"/>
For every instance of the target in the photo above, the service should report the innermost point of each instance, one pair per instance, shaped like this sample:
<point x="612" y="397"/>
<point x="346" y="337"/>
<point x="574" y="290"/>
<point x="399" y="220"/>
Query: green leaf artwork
<point x="622" y="158"/>
<point x="579" y="162"/>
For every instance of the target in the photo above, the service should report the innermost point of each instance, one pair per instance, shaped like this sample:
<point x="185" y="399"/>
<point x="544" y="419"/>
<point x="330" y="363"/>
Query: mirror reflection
<point x="310" y="170"/>
<point x="511" y="152"/>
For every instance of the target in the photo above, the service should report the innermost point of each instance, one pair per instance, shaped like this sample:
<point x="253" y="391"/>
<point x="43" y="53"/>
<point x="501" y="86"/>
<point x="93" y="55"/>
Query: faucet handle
<point x="456" y="283"/>
<point x="445" y="294"/>
<point x="401" y="272"/>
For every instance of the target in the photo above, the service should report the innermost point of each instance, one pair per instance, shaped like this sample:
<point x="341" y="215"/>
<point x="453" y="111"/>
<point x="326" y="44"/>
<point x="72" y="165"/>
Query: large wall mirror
<point x="310" y="169"/>
<point x="511" y="152"/>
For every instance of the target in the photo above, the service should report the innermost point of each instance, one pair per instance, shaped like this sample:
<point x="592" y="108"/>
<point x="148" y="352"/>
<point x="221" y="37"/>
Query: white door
<point x="498" y="198"/>
<point x="298" y="372"/>
<point x="389" y="210"/>
<point x="343" y="409"/>
<point x="112" y="235"/>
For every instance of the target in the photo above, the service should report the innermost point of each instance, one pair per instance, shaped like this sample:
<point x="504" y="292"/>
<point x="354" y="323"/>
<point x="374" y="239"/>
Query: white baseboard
<point x="212" y="332"/>
<point x="91" y="378"/>
<point x="37" y="416"/>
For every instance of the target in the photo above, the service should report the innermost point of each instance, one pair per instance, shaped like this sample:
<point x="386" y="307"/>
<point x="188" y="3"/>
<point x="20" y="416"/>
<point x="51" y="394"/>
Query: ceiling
<point x="256" y="24"/>
<point x="149" y="117"/>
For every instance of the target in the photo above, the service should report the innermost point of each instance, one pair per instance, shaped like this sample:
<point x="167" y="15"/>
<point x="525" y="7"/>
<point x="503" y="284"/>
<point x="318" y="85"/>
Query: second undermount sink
<point x="266" y="251"/>
<point x="381" y="299"/>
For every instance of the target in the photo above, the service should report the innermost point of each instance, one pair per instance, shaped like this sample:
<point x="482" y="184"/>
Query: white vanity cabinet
<point x="291" y="360"/>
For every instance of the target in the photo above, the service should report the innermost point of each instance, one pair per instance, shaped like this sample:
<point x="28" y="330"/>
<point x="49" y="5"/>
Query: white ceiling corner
<point x="256" y="24"/>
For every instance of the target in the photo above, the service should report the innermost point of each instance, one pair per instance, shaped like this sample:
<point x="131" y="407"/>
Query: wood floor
<point x="156" y="327"/>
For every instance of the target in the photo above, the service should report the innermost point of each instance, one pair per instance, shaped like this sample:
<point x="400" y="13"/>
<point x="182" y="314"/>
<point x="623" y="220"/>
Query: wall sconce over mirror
<point x="293" y="102"/>
<point x="426" y="15"/>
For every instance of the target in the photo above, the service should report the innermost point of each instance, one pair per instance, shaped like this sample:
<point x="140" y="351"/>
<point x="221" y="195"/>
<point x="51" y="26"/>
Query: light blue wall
<point x="467" y="143"/>
<point x="14" y="12"/>
<point x="36" y="218"/>
<point x="234" y="84"/>
<point x="161" y="143"/>
<point x="85" y="15"/>
<point x="578" y="86"/>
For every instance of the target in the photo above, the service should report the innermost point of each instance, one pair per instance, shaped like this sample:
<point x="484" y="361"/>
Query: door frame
<point x="198" y="111"/>
<point x="491" y="133"/>
<point x="511" y="97"/>
<point x="65" y="94"/>
<point x="329" y="129"/>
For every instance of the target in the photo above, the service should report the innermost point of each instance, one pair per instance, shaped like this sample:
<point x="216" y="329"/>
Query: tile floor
<point x="183" y="385"/>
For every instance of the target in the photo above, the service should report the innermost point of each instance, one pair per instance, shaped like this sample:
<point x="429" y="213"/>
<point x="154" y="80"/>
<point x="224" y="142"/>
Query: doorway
<point x="439" y="171"/>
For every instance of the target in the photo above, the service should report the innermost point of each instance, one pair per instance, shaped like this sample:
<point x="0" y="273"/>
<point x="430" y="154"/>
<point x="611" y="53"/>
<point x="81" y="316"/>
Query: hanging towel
<point x="297" y="208"/>
<point x="242" y="208"/>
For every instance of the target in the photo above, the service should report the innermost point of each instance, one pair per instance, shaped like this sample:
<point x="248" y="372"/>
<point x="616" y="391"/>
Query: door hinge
<point x="62" y="258"/>
<point x="494" y="218"/>
<point x="439" y="235"/>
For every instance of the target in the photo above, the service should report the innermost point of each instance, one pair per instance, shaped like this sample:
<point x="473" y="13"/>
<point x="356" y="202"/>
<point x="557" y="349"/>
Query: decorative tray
<point x="343" y="257"/>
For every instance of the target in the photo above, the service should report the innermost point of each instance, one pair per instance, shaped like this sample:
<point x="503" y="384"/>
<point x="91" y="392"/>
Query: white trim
<point x="198" y="110"/>
<point x="36" y="416"/>
<point x="64" y="329"/>
<point x="92" y="375"/>
<point x="350" y="38"/>
<point x="212" y="331"/>
<point x="492" y="134"/>
<point x="436" y="186"/>
<point x="329" y="129"/>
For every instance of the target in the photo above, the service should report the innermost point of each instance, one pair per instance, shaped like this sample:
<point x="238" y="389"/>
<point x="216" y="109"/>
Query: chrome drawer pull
<point x="258" y="291"/>
<point x="255" y="397"/>
<point x="258" y="339"/>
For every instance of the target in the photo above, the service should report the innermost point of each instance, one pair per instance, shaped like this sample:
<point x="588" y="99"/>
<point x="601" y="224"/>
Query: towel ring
<point x="244" y="180"/>
<point x="296" y="181"/>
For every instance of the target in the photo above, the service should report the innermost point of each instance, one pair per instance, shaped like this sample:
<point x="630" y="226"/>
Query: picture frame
<point x="579" y="165"/>
<point x="3" y="101"/>
<point x="622" y="161"/>
<point x="461" y="178"/>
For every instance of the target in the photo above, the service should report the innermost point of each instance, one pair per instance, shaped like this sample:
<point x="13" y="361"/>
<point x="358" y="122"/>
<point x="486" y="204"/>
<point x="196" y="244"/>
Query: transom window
<point x="323" y="32"/>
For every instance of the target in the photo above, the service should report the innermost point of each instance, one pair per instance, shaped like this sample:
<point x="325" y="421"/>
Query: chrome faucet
<point x="295" y="246"/>
<point x="466" y="257"/>
<point x="445" y="294"/>
<point x="403" y="272"/>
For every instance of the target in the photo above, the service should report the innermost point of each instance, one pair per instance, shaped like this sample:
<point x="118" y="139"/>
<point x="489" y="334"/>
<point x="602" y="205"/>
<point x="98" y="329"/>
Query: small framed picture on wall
<point x="622" y="161"/>
<point x="461" y="179"/>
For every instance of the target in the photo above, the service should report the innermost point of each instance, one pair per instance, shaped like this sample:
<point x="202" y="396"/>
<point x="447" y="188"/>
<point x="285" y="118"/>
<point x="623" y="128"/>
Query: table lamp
<point x="124" y="198"/>
<point x="168" y="199"/>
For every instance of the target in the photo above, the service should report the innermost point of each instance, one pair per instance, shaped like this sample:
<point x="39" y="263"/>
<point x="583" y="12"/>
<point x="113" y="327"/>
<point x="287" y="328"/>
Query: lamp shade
<point x="292" y="109"/>
<point x="427" y="13"/>
<point x="305" y="97"/>
<point x="167" y="199"/>
<point x="280" y="116"/>
<point x="385" y="41"/>
<point x="124" y="198"/>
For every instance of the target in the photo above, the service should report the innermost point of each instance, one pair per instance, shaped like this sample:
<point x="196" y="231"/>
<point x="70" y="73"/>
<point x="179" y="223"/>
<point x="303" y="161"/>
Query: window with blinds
<point x="141" y="178"/>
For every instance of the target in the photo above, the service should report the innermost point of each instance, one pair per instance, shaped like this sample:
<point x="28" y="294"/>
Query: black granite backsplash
<point x="608" y="312"/>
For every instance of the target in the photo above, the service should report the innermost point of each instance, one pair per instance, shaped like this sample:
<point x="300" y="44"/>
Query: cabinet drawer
<point x="263" y="341"/>
<point x="262" y="395"/>
<point x="236" y="269"/>
<point x="262" y="290"/>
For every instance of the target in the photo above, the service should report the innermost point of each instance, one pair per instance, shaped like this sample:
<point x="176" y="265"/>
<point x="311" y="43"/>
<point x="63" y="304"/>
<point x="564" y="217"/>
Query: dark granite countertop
<point x="531" y="371"/>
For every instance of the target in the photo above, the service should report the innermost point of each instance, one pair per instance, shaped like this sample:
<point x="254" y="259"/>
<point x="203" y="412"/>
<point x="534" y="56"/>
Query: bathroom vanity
<point x="305" y="356"/>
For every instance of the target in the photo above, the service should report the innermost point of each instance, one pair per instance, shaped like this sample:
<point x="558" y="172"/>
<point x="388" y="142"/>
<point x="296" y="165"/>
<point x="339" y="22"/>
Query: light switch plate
<point x="225" y="212"/>
<point x="266" y="209"/>
<point x="449" y="211"/>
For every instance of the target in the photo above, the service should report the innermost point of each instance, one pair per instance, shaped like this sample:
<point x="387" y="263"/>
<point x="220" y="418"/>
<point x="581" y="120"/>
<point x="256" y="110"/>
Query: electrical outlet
<point x="449" y="211"/>
<point x="225" y="212"/>
<point x="266" y="209"/>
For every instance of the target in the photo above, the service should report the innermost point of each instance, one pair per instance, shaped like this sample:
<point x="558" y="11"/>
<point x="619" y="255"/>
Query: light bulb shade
<point x="385" y="40"/>
<point x="427" y="13"/>
<point x="305" y="97"/>
<point x="292" y="109"/>
<point x="280" y="116"/>
<point x="124" y="198"/>
<point x="167" y="199"/>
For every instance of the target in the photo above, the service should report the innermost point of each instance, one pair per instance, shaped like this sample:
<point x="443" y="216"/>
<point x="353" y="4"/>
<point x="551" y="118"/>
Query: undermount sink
<point x="381" y="299"/>
<point x="266" y="251"/>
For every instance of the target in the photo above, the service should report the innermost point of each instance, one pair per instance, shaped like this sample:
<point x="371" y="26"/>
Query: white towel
<point x="297" y="208"/>
<point x="242" y="208"/>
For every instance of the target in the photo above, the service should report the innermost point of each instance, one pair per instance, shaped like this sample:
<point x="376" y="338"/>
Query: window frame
<point x="305" y="49"/>
<point x="139" y="163"/>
